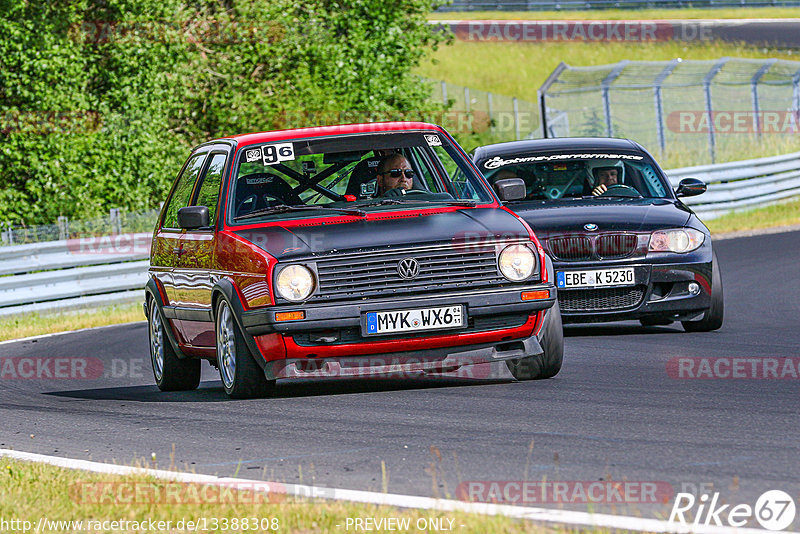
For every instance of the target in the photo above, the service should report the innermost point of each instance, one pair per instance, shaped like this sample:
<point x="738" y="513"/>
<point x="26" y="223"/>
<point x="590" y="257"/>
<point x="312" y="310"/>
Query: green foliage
<point x="100" y="101"/>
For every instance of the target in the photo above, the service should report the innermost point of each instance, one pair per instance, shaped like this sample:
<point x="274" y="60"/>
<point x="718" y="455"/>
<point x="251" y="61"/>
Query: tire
<point x="712" y="318"/>
<point x="655" y="321"/>
<point x="171" y="373"/>
<point x="241" y="376"/>
<point x="547" y="364"/>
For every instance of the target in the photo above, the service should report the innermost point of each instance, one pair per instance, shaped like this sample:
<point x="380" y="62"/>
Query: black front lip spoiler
<point x="348" y="314"/>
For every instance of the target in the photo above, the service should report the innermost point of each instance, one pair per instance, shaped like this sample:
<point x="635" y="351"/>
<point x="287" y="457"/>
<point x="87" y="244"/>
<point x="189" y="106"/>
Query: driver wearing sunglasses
<point x="394" y="172"/>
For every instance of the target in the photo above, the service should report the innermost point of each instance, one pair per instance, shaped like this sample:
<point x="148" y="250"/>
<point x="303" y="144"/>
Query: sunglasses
<point x="397" y="173"/>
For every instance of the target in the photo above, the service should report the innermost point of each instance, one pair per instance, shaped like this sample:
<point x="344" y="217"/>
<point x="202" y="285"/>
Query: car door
<point x="196" y="261"/>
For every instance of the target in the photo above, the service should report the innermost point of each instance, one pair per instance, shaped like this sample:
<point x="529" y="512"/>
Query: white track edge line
<point x="53" y="334"/>
<point x="395" y="500"/>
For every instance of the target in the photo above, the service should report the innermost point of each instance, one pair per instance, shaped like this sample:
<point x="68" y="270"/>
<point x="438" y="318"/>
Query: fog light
<point x="694" y="288"/>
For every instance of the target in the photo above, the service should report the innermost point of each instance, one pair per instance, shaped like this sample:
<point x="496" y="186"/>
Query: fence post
<point x="516" y="117"/>
<point x="796" y="99"/>
<point x="662" y="142"/>
<point x="606" y="86"/>
<point x="63" y="227"/>
<point x="116" y="222"/>
<point x="466" y="99"/>
<point x="712" y="147"/>
<point x="489" y="102"/>
<point x="754" y="89"/>
<point x="444" y="93"/>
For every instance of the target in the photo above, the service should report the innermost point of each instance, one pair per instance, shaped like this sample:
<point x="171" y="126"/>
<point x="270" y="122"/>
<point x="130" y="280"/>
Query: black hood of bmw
<point x="473" y="225"/>
<point x="548" y="217"/>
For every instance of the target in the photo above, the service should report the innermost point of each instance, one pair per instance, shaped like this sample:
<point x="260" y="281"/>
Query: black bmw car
<point x="623" y="244"/>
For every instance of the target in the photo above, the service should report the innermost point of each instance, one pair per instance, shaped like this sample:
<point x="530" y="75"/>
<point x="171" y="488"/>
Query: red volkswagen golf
<point x="344" y="251"/>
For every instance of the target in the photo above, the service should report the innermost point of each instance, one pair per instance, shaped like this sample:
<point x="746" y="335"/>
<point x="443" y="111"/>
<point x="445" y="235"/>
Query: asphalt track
<point x="614" y="412"/>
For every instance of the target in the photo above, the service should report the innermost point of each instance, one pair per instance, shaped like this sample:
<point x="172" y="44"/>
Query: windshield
<point x="351" y="174"/>
<point x="556" y="176"/>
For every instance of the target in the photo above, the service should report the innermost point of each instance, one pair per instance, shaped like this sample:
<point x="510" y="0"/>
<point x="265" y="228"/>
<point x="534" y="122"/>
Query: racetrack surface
<point x="613" y="412"/>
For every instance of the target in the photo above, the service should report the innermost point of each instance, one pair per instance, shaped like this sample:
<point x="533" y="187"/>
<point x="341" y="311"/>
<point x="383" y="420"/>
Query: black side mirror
<point x="193" y="217"/>
<point x="510" y="189"/>
<point x="690" y="187"/>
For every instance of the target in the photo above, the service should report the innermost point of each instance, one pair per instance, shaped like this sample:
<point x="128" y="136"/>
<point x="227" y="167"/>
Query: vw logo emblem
<point x="590" y="227"/>
<point x="408" y="268"/>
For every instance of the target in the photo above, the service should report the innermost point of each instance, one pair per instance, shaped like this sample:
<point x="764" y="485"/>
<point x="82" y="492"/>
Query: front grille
<point x="376" y="275"/>
<point x="346" y="336"/>
<point x="617" y="298"/>
<point x="571" y="248"/>
<point x="611" y="246"/>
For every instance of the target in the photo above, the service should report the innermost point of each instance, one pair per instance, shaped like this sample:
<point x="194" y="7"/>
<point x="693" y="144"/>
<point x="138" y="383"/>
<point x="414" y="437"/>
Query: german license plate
<point x="390" y="322"/>
<point x="597" y="278"/>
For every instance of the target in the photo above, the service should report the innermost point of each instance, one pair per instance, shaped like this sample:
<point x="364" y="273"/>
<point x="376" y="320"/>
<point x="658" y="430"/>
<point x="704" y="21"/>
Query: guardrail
<point x="98" y="271"/>
<point x="73" y="273"/>
<point x="742" y="184"/>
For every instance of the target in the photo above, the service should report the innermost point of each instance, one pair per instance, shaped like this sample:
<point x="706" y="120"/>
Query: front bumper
<point x="489" y="302"/>
<point x="660" y="291"/>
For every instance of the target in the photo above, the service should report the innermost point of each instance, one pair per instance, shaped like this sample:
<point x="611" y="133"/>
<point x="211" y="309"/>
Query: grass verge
<point x="36" y="324"/>
<point x="624" y="14"/>
<point x="30" y="491"/>
<point x="784" y="214"/>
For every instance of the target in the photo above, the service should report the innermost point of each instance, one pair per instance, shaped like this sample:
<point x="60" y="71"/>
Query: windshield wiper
<point x="284" y="208"/>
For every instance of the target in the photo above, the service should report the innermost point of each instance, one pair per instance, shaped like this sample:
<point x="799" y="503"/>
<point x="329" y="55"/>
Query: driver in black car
<point x="394" y="172"/>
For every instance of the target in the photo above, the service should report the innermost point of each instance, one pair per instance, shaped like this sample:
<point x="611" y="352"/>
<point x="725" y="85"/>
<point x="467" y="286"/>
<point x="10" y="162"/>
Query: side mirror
<point x="690" y="187"/>
<point x="510" y="189"/>
<point x="193" y="217"/>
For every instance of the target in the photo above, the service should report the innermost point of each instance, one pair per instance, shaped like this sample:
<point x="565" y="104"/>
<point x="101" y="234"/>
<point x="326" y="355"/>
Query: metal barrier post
<point x="466" y="99"/>
<point x="444" y="93"/>
<point x="660" y="104"/>
<point x="796" y="99"/>
<point x="709" y="109"/>
<point x="516" y="118"/>
<point x="63" y="227"/>
<point x="754" y="89"/>
<point x="116" y="223"/>
<point x="606" y="86"/>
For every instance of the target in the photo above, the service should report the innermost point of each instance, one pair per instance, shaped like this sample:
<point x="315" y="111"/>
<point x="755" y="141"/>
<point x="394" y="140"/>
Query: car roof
<point x="558" y="144"/>
<point x="322" y="131"/>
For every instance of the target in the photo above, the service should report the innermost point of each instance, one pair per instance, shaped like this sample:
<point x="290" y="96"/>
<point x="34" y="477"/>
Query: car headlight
<point x="295" y="283"/>
<point x="681" y="240"/>
<point x="517" y="262"/>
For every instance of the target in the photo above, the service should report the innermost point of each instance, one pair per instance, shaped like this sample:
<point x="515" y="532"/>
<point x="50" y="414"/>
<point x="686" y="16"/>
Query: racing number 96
<point x="274" y="153"/>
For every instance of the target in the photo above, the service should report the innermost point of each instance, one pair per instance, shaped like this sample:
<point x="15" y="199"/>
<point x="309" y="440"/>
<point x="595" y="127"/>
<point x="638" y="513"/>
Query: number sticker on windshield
<point x="273" y="154"/>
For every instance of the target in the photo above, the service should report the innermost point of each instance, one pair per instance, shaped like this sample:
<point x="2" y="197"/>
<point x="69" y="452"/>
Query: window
<point x="183" y="190"/>
<point x="209" y="190"/>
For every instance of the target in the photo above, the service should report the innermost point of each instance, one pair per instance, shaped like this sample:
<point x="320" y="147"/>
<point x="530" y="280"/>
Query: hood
<point x="471" y="225"/>
<point x="548" y="217"/>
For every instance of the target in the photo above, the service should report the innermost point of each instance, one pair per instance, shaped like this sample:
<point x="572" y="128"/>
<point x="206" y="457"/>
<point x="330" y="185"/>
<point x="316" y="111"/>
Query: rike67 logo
<point x="773" y="510"/>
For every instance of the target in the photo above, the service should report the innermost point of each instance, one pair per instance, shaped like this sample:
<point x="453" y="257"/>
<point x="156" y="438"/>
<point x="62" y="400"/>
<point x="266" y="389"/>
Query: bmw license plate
<point x="390" y="322"/>
<point x="598" y="278"/>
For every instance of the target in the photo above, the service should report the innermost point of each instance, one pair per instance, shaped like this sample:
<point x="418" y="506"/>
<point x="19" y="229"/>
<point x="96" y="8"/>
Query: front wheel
<point x="171" y="373"/>
<point x="712" y="318"/>
<point x="241" y="376"/>
<point x="547" y="364"/>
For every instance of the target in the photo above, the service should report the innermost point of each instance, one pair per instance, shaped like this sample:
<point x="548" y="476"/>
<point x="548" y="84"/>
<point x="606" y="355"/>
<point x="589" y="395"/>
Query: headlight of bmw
<point x="517" y="262"/>
<point x="679" y="240"/>
<point x="295" y="283"/>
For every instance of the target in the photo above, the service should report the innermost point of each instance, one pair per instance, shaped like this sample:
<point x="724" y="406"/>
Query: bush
<point x="102" y="100"/>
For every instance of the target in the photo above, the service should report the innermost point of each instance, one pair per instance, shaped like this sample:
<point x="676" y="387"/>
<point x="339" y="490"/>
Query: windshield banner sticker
<point x="273" y="154"/>
<point x="497" y="161"/>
